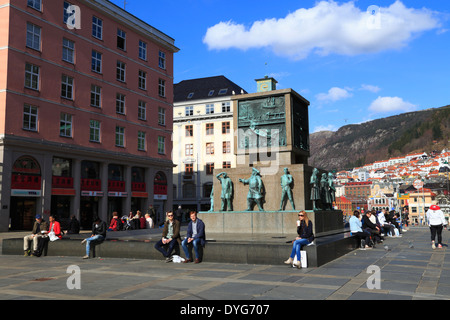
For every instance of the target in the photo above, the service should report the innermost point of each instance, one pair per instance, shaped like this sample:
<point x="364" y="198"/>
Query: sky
<point x="354" y="61"/>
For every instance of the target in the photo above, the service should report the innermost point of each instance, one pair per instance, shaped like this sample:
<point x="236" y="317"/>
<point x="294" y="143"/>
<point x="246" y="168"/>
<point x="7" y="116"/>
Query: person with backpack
<point x="116" y="223"/>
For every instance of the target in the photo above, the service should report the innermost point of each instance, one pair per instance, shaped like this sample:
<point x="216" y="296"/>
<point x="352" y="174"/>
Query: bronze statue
<point x="255" y="192"/>
<point x="227" y="191"/>
<point x="211" y="196"/>
<point x="325" y="192"/>
<point x="332" y="190"/>
<point x="315" y="188"/>
<point x="286" y="184"/>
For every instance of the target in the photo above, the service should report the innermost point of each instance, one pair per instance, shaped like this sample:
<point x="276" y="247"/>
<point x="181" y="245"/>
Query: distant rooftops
<point x="205" y="88"/>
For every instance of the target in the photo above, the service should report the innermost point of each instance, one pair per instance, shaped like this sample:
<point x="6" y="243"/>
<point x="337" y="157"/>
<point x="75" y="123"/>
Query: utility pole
<point x="125" y="4"/>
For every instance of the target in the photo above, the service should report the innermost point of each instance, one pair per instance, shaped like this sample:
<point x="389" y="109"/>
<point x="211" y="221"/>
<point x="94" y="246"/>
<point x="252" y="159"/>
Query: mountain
<point x="358" y="144"/>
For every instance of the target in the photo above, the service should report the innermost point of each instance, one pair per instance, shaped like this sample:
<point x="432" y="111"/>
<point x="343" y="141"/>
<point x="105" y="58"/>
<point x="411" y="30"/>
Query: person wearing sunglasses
<point x="305" y="237"/>
<point x="170" y="237"/>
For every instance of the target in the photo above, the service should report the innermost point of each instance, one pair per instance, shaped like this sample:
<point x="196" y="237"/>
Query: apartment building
<point x="203" y="137"/>
<point x="86" y="108"/>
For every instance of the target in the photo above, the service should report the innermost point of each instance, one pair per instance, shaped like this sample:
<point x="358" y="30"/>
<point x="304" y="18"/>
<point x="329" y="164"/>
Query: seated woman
<point x="305" y="237"/>
<point x="356" y="229"/>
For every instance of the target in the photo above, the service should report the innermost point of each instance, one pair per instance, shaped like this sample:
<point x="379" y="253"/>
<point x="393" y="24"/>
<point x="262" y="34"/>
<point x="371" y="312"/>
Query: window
<point x="142" y="50"/>
<point x="226" y="107"/>
<point x="120" y="71"/>
<point x="142" y="81"/>
<point x="210" y="168"/>
<point x="31" y="76"/>
<point x="30" y="118"/>
<point x="210" y="93"/>
<point x="68" y="51"/>
<point x="121" y="39"/>
<point x="209" y="108"/>
<point x="189" y="131"/>
<point x="97" y="28"/>
<point x="209" y="129"/>
<point x="189" y="111"/>
<point x="141" y="141"/>
<point x="96" y="95"/>
<point x="226" y="165"/>
<point x="226" y="127"/>
<point x="161" y="116"/>
<point x="120" y="103"/>
<point x="162" y="60"/>
<point x="142" y="110"/>
<point x="190" y="95"/>
<point x="226" y="147"/>
<point x="33" y="36"/>
<point x="210" y="148"/>
<point x="96" y="61"/>
<point x="94" y="131"/>
<point x="189" y="168"/>
<point x="66" y="14"/>
<point x="35" y="4"/>
<point x="120" y="136"/>
<point x="189" y="149"/>
<point x="223" y="91"/>
<point x="161" y="145"/>
<point x="65" y="125"/>
<point x="162" y="88"/>
<point x="67" y="87"/>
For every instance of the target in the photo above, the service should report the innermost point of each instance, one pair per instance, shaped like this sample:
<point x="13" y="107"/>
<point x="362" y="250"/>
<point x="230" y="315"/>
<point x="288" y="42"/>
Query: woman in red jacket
<point x="55" y="226"/>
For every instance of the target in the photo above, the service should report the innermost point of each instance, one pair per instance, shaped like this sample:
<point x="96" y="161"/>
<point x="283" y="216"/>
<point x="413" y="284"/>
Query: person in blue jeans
<point x="98" y="235"/>
<point x="305" y="237"/>
<point x="195" y="236"/>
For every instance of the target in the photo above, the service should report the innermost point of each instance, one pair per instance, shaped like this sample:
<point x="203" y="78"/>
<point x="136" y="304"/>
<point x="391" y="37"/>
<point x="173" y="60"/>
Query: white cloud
<point x="328" y="27"/>
<point x="330" y="127"/>
<point x="334" y="94"/>
<point x="391" y="104"/>
<point x="368" y="87"/>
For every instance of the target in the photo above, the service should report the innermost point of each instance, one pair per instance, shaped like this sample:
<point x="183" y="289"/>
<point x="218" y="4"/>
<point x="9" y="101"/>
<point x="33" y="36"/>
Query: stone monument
<point x="271" y="140"/>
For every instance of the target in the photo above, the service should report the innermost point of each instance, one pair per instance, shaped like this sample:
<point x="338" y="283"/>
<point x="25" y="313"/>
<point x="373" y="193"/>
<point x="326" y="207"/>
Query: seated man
<point x="195" y="237"/>
<point x="115" y="224"/>
<point x="388" y="228"/>
<point x="170" y="236"/>
<point x="368" y="225"/>
<point x="39" y="228"/>
<point x="98" y="235"/>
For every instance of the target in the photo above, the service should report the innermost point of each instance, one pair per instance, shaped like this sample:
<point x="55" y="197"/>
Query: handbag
<point x="52" y="236"/>
<point x="303" y="260"/>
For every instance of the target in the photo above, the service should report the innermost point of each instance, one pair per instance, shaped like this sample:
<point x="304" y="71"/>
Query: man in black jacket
<point x="98" y="235"/>
<point x="371" y="227"/>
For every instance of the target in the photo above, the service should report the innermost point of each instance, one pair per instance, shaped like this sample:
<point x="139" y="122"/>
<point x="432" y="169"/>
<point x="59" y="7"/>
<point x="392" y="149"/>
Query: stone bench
<point x="239" y="250"/>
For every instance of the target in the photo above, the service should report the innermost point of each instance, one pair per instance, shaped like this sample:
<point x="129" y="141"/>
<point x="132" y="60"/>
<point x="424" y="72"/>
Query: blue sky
<point x="354" y="61"/>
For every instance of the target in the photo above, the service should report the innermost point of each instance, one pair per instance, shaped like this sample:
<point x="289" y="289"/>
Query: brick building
<point x="86" y="107"/>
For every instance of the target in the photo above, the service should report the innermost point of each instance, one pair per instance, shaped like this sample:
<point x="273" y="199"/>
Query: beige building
<point x="203" y="138"/>
<point x="419" y="203"/>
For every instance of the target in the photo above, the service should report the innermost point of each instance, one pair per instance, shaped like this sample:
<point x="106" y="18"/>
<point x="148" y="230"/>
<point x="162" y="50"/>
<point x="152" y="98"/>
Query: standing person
<point x="36" y="233"/>
<point x="195" y="237"/>
<point x="436" y="221"/>
<point x="98" y="235"/>
<point x="305" y="237"/>
<point x="151" y="211"/>
<point x="179" y="214"/>
<point x="170" y="236"/>
<point x="356" y="229"/>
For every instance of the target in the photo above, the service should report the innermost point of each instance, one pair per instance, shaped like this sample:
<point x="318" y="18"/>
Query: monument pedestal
<point x="271" y="222"/>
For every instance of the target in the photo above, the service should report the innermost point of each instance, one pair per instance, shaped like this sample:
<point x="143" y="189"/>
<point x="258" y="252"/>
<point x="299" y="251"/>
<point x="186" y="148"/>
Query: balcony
<point x="25" y="182"/>
<point x="116" y="186"/>
<point x="138" y="186"/>
<point x="91" y="185"/>
<point x="62" y="182"/>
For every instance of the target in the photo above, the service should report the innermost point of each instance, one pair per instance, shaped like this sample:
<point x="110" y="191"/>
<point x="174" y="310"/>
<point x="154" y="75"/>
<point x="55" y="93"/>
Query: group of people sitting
<point x="131" y="222"/>
<point x="372" y="227"/>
